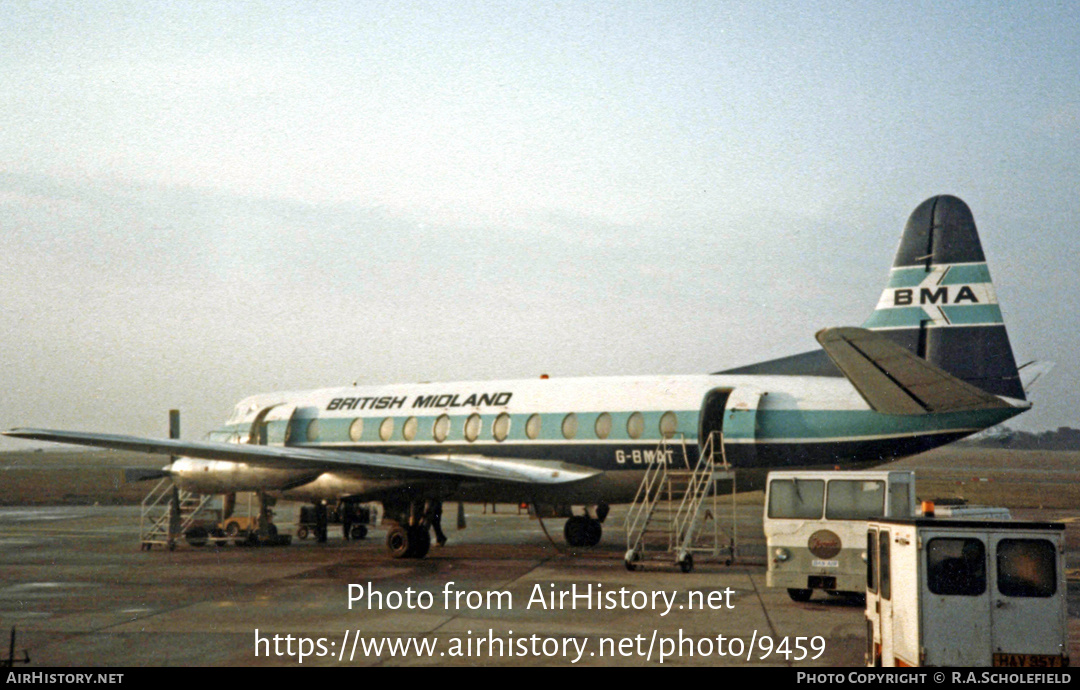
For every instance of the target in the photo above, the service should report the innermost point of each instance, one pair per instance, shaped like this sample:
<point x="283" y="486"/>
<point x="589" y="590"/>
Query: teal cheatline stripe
<point x="959" y="275"/>
<point x="973" y="314"/>
<point x="907" y="277"/>
<point x="330" y="429"/>
<point x="740" y="424"/>
<point x="336" y="430"/>
<point x="910" y="276"/>
<point x="896" y="318"/>
<point x="828" y="424"/>
<point x="275" y="431"/>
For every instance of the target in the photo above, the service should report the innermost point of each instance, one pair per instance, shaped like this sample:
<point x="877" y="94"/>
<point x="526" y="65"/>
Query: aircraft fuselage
<point x="617" y="425"/>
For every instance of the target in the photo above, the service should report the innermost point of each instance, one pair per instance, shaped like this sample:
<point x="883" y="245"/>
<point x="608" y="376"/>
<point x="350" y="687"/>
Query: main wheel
<point x="576" y="531"/>
<point x="398" y="542"/>
<point x="800" y="594"/>
<point x="420" y="542"/>
<point x="593" y="532"/>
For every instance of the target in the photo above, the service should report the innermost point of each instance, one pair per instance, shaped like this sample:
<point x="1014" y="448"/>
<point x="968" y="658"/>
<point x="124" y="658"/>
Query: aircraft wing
<point x="369" y="465"/>
<point x="894" y="380"/>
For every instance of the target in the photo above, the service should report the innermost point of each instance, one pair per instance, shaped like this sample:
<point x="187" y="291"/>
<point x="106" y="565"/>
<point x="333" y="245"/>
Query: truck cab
<point x="815" y="526"/>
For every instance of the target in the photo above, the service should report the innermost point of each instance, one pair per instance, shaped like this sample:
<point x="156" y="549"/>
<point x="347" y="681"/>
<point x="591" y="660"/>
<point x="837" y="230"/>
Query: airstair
<point x="669" y="513"/>
<point x="168" y="514"/>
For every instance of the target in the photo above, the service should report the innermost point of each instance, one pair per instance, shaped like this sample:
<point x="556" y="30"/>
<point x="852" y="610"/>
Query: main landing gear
<point x="411" y="523"/>
<point x="586" y="530"/>
<point x="408" y="541"/>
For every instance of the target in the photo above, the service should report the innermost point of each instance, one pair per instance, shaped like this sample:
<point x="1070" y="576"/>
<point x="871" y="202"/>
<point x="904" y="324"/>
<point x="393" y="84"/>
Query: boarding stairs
<point x="671" y="506"/>
<point x="168" y="513"/>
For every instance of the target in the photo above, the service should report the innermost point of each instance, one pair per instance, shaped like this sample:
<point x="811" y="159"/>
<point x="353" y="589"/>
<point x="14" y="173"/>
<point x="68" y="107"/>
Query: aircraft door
<point x="712" y="414"/>
<point x="272" y="426"/>
<point x="734" y="414"/>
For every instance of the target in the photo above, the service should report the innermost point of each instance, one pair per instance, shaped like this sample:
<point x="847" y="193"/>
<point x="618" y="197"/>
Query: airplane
<point x="932" y="364"/>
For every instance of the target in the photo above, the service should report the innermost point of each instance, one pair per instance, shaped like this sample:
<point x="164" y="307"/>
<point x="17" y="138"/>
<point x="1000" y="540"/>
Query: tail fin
<point x="940" y="303"/>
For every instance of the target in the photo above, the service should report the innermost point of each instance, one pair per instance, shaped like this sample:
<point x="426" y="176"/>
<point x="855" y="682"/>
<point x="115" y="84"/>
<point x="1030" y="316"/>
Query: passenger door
<point x="272" y="426"/>
<point x="739" y="426"/>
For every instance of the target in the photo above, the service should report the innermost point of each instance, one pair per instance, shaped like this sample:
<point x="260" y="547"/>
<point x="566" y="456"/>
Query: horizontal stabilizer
<point x="894" y="380"/>
<point x="359" y="463"/>
<point x="1031" y="372"/>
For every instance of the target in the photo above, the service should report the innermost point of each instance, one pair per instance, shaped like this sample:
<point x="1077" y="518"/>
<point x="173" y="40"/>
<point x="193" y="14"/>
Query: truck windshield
<point x="796" y="499"/>
<point x="855" y="500"/>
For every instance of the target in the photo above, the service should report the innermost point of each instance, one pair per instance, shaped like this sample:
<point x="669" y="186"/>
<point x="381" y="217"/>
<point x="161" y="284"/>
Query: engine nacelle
<point x="222" y="476"/>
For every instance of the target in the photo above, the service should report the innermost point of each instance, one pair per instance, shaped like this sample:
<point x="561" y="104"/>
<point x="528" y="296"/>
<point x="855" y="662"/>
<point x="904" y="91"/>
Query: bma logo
<point x="907" y="296"/>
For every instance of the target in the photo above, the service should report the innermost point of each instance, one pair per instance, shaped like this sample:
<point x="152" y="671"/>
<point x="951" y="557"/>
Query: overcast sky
<point x="203" y="200"/>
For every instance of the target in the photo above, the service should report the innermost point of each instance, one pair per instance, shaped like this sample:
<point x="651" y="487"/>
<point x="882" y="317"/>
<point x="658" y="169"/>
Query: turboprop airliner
<point x="932" y="364"/>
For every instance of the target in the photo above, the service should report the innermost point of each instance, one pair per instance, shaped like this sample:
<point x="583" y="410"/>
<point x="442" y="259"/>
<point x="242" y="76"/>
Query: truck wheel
<point x="800" y="594"/>
<point x="358" y="532"/>
<point x="302" y="533"/>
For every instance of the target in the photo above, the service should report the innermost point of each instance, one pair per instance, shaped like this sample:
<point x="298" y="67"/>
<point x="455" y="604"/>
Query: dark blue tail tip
<point x="941" y="230"/>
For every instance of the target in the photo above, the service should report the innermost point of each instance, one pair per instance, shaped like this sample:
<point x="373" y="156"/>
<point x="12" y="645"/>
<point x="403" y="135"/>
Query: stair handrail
<point x="648" y="495"/>
<point x="697" y="490"/>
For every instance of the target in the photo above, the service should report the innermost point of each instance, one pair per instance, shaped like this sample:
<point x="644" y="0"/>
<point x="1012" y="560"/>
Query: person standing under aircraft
<point x="434" y="516"/>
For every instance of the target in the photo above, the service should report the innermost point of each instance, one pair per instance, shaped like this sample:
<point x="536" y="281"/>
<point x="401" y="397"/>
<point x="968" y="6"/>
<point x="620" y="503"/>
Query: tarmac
<point x="80" y="592"/>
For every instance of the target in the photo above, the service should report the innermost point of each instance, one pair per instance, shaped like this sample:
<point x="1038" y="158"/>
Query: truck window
<point x="871" y="549"/>
<point x="796" y="499"/>
<point x="883" y="566"/>
<point x="956" y="566"/>
<point x="900" y="500"/>
<point x="851" y="499"/>
<point x="1026" y="568"/>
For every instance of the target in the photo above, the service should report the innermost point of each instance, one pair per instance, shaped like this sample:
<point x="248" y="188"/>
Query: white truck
<point x="944" y="592"/>
<point x="815" y="525"/>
